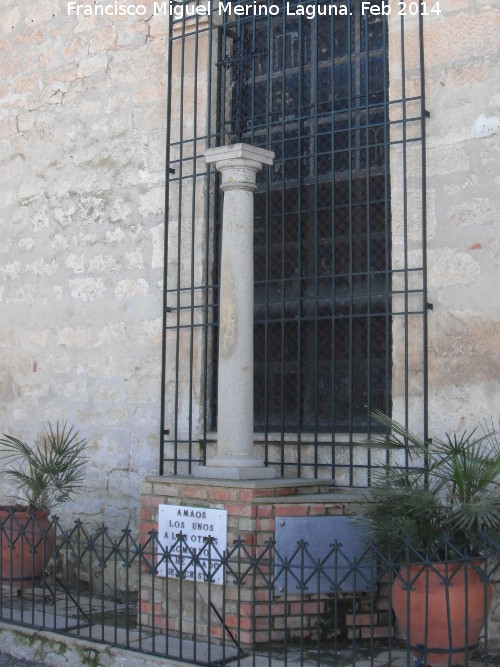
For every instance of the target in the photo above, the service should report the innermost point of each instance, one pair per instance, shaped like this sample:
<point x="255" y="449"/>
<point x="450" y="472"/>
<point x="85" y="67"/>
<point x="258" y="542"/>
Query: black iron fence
<point x="251" y="604"/>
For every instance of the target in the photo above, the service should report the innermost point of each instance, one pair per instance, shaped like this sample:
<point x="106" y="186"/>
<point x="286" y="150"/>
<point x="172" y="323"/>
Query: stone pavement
<point x="30" y="609"/>
<point x="9" y="661"/>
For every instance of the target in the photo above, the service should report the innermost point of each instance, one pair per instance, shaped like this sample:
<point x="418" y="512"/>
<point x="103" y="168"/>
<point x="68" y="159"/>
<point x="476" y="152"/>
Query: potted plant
<point x="47" y="474"/>
<point x="430" y="511"/>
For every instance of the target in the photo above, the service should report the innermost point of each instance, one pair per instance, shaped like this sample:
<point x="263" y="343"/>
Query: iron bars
<point x="339" y="239"/>
<point x="274" y="608"/>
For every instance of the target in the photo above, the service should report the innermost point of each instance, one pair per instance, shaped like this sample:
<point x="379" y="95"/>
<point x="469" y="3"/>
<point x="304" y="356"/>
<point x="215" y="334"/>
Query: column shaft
<point x="235" y="459"/>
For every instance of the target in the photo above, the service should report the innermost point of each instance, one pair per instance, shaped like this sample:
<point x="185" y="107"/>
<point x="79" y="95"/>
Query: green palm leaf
<point x="456" y="494"/>
<point x="51" y="471"/>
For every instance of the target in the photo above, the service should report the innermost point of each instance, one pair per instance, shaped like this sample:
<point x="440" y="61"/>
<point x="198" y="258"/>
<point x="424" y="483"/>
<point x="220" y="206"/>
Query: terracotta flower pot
<point x="453" y="614"/>
<point x="25" y="546"/>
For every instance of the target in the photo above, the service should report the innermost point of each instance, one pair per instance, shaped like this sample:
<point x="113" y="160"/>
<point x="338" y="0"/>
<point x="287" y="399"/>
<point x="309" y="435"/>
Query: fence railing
<point x="251" y="605"/>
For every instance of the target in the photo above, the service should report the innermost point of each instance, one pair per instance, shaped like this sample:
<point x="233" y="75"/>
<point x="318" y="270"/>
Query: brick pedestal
<point x="252" y="507"/>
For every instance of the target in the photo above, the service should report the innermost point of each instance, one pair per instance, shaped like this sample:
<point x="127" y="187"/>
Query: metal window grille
<point x="339" y="251"/>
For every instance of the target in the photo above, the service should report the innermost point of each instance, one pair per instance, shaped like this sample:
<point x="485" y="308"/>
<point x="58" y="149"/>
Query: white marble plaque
<point x="183" y="533"/>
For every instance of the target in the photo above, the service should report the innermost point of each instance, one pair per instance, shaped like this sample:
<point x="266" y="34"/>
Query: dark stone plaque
<point x="322" y="555"/>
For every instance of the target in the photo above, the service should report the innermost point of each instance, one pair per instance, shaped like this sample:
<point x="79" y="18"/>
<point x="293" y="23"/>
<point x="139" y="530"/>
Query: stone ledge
<point x="294" y="491"/>
<point x="337" y="496"/>
<point x="55" y="650"/>
<point x="246" y="484"/>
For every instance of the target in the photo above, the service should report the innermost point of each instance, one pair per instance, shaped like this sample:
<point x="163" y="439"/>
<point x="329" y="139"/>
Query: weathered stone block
<point x="92" y="65"/>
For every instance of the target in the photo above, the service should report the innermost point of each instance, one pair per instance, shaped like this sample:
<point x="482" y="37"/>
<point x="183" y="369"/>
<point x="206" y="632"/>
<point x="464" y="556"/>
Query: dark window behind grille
<point x="340" y="259"/>
<point x="315" y="92"/>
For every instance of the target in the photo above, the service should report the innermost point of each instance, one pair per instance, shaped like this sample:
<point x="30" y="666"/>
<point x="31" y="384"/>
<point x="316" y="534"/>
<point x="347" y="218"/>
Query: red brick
<point x="263" y="623"/>
<point x="245" y="623"/>
<point x="264" y="510"/>
<point x="261" y="595"/>
<point x="147" y="526"/>
<point x="240" y="510"/>
<point x="145" y="514"/>
<point x="223" y="494"/>
<point x="291" y="510"/>
<point x="279" y="622"/>
<point x="273" y="608"/>
<point x="315" y="510"/>
<point x="263" y="551"/>
<point x="217" y="632"/>
<point x="249" y="550"/>
<point x="307" y="608"/>
<point x="249" y="538"/>
<point x="246" y="638"/>
<point x="267" y="525"/>
<point x="288" y="491"/>
<point x="247" y="495"/>
<point x="264" y="493"/>
<point x="246" y="608"/>
<point x="196" y="492"/>
<point x="149" y="501"/>
<point x="261" y="582"/>
<point x="161" y="623"/>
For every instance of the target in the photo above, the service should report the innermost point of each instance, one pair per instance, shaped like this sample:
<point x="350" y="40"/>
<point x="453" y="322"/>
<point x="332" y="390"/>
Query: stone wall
<point x="82" y="146"/>
<point x="462" y="138"/>
<point x="463" y="163"/>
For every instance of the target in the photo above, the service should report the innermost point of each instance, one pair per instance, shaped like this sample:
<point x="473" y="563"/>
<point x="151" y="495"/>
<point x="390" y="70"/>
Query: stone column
<point x="238" y="165"/>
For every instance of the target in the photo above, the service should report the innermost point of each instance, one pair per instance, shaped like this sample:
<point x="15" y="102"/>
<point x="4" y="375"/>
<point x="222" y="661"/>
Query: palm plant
<point x="446" y="487"/>
<point x="48" y="473"/>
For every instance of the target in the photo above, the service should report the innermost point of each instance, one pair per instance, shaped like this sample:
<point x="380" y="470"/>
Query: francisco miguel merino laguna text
<point x="309" y="10"/>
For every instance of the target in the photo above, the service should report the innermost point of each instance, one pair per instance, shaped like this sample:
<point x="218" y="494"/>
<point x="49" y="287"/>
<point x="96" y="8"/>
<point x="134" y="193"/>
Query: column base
<point x="234" y="467"/>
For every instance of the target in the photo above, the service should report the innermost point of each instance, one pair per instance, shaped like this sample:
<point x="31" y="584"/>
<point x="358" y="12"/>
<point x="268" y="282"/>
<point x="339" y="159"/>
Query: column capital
<point x="238" y="164"/>
<point x="239" y="152"/>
